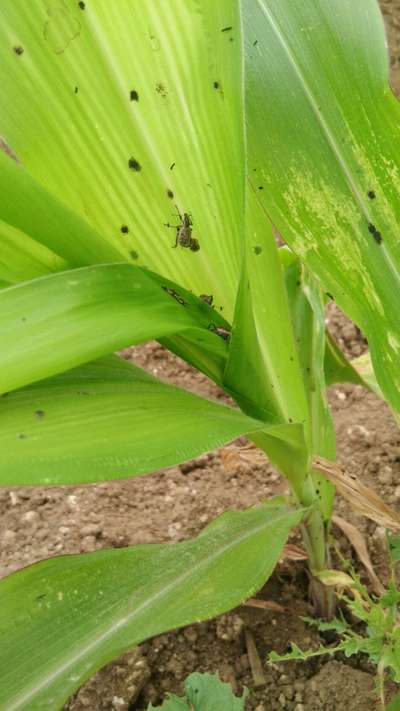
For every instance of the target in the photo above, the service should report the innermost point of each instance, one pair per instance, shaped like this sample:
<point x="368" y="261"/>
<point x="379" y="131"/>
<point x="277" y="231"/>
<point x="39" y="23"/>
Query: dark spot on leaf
<point x="125" y="229"/>
<point x="170" y="194"/>
<point x="161" y="89"/>
<point x="40" y="413"/>
<point x="134" y="96"/>
<point x="172" y="166"/>
<point x="134" y="254"/>
<point x="291" y="359"/>
<point x="81" y="4"/>
<point x="290" y="419"/>
<point x="23" y="318"/>
<point x="22" y="435"/>
<point x="257" y="249"/>
<point x="260" y="187"/>
<point x="226" y="29"/>
<point x="255" y="42"/>
<point x="375" y="233"/>
<point x="134" y="165"/>
<point x="82" y="392"/>
<point x="216" y="85"/>
<point x="76" y="90"/>
<point x="231" y="39"/>
<point x="298" y="283"/>
<point x="18" y="50"/>
<point x="371" y="194"/>
<point x="330" y="295"/>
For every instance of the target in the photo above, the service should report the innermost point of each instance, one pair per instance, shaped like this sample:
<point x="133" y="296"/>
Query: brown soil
<point x="176" y="504"/>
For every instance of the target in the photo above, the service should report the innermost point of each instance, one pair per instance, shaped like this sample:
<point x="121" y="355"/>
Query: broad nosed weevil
<point x="184" y="232"/>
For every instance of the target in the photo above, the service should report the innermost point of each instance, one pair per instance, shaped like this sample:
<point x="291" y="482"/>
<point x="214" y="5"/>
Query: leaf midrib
<point x="326" y="130"/>
<point x="124" y="620"/>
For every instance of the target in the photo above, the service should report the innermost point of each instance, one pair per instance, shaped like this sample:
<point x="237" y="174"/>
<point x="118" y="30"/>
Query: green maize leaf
<point x="42" y="229"/>
<point x="394" y="704"/>
<point x="125" y="109"/>
<point x="308" y="319"/>
<point x="207" y="354"/>
<point x="337" y="368"/>
<point x="262" y="355"/>
<point x="323" y="143"/>
<point x="263" y="372"/>
<point x="363" y="367"/>
<point x="204" y="692"/>
<point x="21" y="257"/>
<point x="107" y="420"/>
<point x="287" y="449"/>
<point x="56" y="322"/>
<point x="62" y="619"/>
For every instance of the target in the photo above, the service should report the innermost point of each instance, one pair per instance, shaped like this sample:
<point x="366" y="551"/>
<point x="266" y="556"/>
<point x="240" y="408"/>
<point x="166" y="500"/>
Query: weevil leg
<point x="180" y="216"/>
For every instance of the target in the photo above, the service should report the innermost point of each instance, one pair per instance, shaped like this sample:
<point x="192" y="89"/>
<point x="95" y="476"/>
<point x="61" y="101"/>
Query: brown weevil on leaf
<point x="184" y="232"/>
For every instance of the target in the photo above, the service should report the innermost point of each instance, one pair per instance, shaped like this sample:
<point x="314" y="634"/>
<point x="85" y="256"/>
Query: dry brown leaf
<point x="360" y="547"/>
<point x="256" y="666"/>
<point x="264" y="604"/>
<point x="363" y="500"/>
<point x="249" y="455"/>
<point x="292" y="552"/>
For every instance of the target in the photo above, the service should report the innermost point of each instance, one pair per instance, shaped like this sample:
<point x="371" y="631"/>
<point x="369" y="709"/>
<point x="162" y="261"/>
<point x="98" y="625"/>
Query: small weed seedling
<point x="204" y="692"/>
<point x="379" y="638"/>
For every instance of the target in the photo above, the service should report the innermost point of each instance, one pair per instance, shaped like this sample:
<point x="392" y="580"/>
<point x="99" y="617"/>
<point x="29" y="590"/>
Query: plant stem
<point x="315" y="540"/>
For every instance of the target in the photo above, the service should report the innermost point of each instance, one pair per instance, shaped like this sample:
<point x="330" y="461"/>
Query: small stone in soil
<point x="30" y="516"/>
